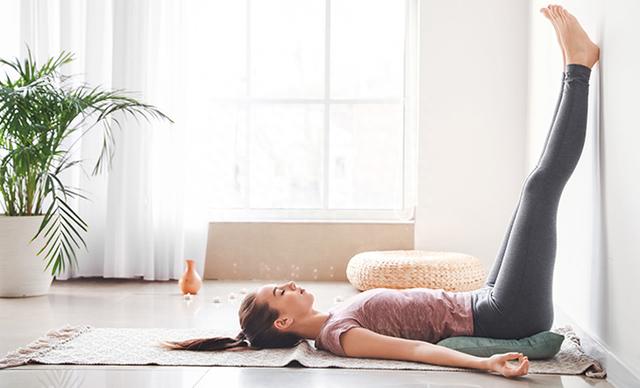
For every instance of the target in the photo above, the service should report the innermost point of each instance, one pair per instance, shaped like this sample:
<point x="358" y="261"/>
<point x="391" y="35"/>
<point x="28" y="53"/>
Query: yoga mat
<point x="87" y="345"/>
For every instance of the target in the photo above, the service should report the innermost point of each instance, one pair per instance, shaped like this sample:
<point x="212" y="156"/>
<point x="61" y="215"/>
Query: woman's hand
<point x="500" y="363"/>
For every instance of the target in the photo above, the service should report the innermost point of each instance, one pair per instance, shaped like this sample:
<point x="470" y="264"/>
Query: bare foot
<point x="578" y="48"/>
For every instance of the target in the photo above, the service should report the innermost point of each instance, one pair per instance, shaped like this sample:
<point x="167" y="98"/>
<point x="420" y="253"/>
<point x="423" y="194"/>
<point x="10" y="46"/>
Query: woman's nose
<point x="290" y="284"/>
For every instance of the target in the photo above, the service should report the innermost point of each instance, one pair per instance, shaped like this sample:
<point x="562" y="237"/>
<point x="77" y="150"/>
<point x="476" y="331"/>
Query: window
<point x="311" y="107"/>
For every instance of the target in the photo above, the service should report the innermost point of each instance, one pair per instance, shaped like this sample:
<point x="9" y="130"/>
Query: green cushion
<point x="544" y="344"/>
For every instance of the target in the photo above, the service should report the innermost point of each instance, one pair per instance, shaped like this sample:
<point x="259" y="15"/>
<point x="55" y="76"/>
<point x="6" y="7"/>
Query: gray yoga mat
<point x="87" y="345"/>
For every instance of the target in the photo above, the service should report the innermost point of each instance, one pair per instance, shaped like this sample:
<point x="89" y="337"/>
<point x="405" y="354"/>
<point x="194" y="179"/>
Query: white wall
<point x="596" y="280"/>
<point x="473" y="66"/>
<point x="490" y="75"/>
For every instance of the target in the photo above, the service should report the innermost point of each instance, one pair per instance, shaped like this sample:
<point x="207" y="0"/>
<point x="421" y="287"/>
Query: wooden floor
<point x="138" y="303"/>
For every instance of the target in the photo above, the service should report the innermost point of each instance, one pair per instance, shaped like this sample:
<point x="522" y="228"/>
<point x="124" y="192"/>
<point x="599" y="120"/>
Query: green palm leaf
<point x="39" y="110"/>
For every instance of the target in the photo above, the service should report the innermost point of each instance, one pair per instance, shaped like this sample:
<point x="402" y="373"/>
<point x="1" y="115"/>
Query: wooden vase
<point x="190" y="282"/>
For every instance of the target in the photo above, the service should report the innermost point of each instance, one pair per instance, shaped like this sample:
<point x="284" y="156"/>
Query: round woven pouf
<point x="450" y="271"/>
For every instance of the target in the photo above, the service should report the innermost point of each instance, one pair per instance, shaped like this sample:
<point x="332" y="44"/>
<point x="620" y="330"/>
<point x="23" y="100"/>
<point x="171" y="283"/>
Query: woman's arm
<point x="361" y="342"/>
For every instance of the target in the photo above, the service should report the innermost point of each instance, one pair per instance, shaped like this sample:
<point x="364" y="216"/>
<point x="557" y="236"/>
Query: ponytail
<point x="256" y="321"/>
<point x="203" y="344"/>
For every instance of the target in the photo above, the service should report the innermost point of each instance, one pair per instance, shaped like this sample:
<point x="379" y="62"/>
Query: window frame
<point x="409" y="102"/>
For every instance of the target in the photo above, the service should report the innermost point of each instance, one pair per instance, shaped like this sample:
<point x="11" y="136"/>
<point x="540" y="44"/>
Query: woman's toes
<point x="563" y="14"/>
<point x="546" y="13"/>
<point x="557" y="11"/>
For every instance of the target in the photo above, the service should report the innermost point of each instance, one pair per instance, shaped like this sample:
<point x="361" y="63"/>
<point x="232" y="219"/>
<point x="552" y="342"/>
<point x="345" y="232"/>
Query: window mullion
<point x="327" y="73"/>
<point x="297" y="100"/>
<point x="404" y="105"/>
<point x="247" y="158"/>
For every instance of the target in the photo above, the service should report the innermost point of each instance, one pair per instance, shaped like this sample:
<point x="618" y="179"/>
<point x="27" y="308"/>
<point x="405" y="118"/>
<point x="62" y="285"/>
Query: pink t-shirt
<point x="415" y="313"/>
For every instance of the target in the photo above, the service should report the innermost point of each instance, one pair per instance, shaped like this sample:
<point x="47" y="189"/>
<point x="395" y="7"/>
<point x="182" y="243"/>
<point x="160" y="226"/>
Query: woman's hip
<point x="515" y="320"/>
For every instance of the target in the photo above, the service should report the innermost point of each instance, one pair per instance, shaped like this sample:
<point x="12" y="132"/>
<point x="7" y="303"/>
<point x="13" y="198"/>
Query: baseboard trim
<point x="619" y="374"/>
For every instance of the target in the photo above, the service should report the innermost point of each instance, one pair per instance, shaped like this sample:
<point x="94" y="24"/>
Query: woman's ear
<point x="283" y="323"/>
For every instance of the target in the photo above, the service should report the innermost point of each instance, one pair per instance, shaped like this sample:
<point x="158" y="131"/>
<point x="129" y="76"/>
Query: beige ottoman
<point x="450" y="271"/>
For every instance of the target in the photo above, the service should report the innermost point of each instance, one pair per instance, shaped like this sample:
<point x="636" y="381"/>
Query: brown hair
<point x="256" y="321"/>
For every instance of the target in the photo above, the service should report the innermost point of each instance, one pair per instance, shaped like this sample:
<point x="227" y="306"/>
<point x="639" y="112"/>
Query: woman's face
<point x="291" y="301"/>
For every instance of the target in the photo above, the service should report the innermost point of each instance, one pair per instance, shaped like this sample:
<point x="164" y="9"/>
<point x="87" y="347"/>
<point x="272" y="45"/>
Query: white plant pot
<point x="22" y="273"/>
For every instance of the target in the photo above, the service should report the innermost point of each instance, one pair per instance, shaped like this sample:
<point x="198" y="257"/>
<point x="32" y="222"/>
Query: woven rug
<point x="87" y="345"/>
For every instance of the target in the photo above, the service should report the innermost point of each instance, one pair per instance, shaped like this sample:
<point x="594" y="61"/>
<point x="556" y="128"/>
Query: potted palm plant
<point x="40" y="109"/>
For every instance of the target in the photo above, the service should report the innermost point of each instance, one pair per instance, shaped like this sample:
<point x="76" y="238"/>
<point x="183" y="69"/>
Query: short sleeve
<point x="330" y="335"/>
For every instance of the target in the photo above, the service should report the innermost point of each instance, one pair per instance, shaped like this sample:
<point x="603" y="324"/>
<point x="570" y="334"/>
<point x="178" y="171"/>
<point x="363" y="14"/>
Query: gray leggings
<point x="516" y="300"/>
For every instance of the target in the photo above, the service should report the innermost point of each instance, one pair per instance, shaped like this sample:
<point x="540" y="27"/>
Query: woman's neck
<point x="310" y="326"/>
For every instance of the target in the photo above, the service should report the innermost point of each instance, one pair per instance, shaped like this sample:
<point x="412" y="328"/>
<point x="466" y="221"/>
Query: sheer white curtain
<point x="284" y="109"/>
<point x="143" y="222"/>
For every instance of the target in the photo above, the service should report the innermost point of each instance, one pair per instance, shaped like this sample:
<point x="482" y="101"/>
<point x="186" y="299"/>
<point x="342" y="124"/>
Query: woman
<point x="516" y="300"/>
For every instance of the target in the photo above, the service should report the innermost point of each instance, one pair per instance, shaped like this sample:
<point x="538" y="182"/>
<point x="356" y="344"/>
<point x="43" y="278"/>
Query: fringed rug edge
<point x="42" y="345"/>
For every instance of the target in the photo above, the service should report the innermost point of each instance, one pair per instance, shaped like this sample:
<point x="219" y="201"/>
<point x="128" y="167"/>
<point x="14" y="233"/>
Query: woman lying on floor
<point x="516" y="301"/>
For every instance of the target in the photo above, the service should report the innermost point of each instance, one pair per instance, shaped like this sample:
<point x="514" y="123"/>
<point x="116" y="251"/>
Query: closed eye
<point x="282" y="293"/>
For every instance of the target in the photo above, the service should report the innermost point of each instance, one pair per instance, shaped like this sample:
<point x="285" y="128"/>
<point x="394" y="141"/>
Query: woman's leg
<point x="495" y="269"/>
<point x="520" y="304"/>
